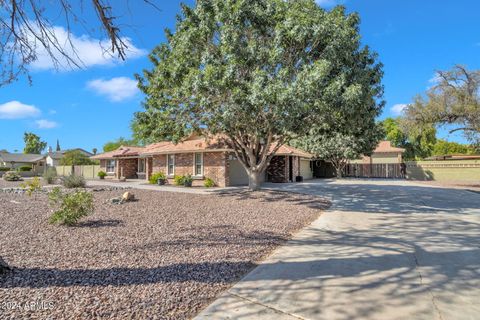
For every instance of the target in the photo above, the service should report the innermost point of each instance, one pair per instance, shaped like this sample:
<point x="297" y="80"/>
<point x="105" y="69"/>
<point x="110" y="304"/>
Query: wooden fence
<point x="86" y="171"/>
<point x="378" y="170"/>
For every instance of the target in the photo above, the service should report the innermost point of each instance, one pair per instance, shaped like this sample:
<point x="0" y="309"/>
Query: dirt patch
<point x="165" y="256"/>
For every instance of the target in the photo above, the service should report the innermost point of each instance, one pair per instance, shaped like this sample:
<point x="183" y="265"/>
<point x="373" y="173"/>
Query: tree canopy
<point x="113" y="145"/>
<point x="75" y="157"/>
<point x="453" y="101"/>
<point x="258" y="73"/>
<point x="418" y="142"/>
<point x="33" y="144"/>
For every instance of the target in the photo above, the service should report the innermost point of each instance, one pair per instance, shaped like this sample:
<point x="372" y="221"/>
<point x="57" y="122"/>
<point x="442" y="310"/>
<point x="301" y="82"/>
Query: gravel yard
<point x="165" y="256"/>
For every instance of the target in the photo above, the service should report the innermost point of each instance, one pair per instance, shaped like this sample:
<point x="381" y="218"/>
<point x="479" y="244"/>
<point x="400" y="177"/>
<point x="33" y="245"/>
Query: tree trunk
<point x="254" y="180"/>
<point x="339" y="172"/>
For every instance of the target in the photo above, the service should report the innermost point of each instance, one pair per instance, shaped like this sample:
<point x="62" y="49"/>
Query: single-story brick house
<point x="202" y="158"/>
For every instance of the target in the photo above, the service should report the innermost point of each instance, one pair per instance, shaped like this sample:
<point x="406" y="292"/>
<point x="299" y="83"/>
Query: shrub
<point x="12" y="176"/>
<point x="50" y="175"/>
<point x="32" y="186"/>
<point x="209" y="183"/>
<point x="179" y="180"/>
<point x="73" y="181"/>
<point x="71" y="206"/>
<point x="3" y="169"/>
<point x="187" y="180"/>
<point x="101" y="174"/>
<point x="154" y="177"/>
<point x="24" y="168"/>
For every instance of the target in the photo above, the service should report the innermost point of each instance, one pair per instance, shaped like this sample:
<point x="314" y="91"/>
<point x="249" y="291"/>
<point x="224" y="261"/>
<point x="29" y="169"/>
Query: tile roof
<point x="123" y="151"/>
<point x="20" y="157"/>
<point x="194" y="144"/>
<point x="386" y="147"/>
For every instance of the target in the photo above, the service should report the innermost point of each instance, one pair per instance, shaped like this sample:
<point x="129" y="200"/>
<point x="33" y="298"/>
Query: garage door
<point x="305" y="170"/>
<point x="238" y="175"/>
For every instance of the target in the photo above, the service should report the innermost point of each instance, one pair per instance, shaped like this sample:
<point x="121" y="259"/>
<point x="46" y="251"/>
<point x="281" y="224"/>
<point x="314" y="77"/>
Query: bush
<point x="154" y="177"/>
<point x="71" y="206"/>
<point x="50" y="175"/>
<point x="12" y="176"/>
<point x="209" y="183"/>
<point x="179" y="180"/>
<point x="187" y="180"/>
<point x="3" y="169"/>
<point x="101" y="174"/>
<point x="24" y="168"/>
<point x="73" y="181"/>
<point x="32" y="186"/>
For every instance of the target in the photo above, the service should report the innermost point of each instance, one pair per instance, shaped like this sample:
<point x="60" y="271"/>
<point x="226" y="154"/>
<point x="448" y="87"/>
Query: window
<point x="171" y="164"/>
<point x="141" y="165"/>
<point x="198" y="164"/>
<point x="110" y="166"/>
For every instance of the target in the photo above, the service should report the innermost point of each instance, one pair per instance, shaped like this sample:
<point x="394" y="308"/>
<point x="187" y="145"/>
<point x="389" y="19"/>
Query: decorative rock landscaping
<point x="164" y="256"/>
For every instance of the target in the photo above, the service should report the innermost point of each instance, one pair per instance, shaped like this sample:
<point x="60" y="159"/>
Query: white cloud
<point x="398" y="109"/>
<point x="115" y="89"/>
<point x="17" y="110"/>
<point x="46" y="124"/>
<point x="329" y="3"/>
<point x="85" y="51"/>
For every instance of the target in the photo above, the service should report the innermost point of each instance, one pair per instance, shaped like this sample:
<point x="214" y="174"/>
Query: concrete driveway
<point x="385" y="250"/>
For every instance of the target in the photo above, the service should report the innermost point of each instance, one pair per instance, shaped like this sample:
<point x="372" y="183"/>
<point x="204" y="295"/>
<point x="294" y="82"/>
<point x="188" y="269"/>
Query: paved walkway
<point x="385" y="250"/>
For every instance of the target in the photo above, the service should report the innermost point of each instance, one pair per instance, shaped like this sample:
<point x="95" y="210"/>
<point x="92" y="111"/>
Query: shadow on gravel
<point x="206" y="272"/>
<point x="311" y="201"/>
<point x="99" y="223"/>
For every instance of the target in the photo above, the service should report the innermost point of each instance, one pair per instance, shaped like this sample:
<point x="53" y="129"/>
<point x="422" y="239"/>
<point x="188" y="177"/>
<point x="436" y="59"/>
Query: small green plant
<point x="179" y="180"/>
<point x="71" y="206"/>
<point x="187" y="180"/>
<point x="156" y="176"/>
<point x="32" y="186"/>
<point x="24" y="168"/>
<point x="209" y="183"/>
<point x="3" y="169"/>
<point x="12" y="176"/>
<point x="73" y="181"/>
<point x="101" y="174"/>
<point x="50" y="175"/>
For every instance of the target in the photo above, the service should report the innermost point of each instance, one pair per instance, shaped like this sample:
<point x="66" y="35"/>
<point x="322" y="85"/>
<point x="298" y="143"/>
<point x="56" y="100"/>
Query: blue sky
<point x="85" y="108"/>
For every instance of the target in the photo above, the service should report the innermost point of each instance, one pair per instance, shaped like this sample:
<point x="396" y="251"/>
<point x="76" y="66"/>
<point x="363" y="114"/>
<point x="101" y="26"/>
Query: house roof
<point x="21" y="157"/>
<point x="291" y="151"/>
<point x="123" y="151"/>
<point x="192" y="144"/>
<point x="455" y="157"/>
<point x="59" y="154"/>
<point x="386" y="147"/>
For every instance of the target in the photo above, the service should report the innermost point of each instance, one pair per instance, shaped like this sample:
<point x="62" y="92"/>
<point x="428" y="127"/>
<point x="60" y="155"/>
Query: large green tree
<point x="418" y="141"/>
<point x="33" y="144"/>
<point x="443" y="147"/>
<point x="454" y="101"/>
<point x="75" y="157"/>
<point x="259" y="73"/>
<point x="115" y="144"/>
<point x="340" y="146"/>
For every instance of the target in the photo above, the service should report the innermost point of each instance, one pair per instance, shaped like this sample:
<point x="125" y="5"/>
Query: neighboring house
<point x="16" y="160"/>
<point x="384" y="153"/>
<point x="53" y="157"/>
<point x="202" y="158"/>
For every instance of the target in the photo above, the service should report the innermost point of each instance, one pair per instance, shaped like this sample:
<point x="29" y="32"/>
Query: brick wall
<point x="159" y="163"/>
<point x="129" y="167"/>
<point x="214" y="167"/>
